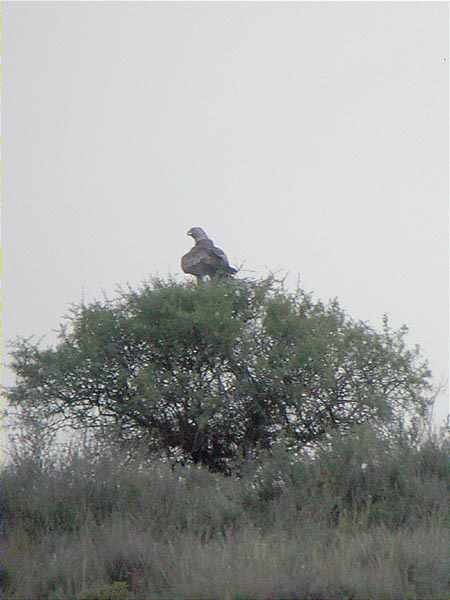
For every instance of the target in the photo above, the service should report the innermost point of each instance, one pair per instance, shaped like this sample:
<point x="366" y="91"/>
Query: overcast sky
<point x="305" y="138"/>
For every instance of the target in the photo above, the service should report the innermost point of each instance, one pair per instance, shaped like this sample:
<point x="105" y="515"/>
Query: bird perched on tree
<point x="205" y="258"/>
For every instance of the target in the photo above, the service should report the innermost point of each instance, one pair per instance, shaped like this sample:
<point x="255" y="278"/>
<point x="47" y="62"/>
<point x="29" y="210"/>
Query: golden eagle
<point x="205" y="258"/>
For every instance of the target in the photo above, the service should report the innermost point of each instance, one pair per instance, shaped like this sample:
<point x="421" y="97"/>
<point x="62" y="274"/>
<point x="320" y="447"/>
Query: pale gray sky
<point x="310" y="138"/>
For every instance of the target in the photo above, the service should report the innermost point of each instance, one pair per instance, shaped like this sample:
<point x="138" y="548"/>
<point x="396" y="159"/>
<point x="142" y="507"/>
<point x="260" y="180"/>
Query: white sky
<point x="308" y="138"/>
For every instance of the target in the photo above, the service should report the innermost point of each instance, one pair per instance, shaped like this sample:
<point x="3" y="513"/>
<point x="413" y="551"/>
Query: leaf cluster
<point x="215" y="373"/>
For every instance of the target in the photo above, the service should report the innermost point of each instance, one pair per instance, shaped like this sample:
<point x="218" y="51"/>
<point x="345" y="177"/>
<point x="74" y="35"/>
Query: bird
<point x="205" y="259"/>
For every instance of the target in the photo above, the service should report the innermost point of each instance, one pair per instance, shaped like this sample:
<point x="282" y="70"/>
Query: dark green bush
<point x="218" y="373"/>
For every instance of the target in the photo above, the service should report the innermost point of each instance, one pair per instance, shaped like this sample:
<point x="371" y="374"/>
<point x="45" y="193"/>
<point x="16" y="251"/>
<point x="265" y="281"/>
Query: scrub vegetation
<point x="362" y="519"/>
<point x="228" y="441"/>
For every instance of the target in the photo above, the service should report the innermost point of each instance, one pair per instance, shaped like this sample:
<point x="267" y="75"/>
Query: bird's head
<point x="197" y="233"/>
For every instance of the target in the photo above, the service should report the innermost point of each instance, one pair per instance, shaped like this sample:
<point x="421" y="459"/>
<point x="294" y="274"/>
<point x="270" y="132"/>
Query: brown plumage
<point x="205" y="258"/>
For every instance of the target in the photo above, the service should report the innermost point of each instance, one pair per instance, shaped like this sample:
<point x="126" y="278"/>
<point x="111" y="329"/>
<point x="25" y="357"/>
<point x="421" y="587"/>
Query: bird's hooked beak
<point x="197" y="233"/>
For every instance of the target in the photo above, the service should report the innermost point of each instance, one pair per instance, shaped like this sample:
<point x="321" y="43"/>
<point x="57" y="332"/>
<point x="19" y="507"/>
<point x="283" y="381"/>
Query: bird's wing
<point x="192" y="261"/>
<point x="220" y="254"/>
<point x="223" y="257"/>
<point x="207" y="252"/>
<point x="205" y="259"/>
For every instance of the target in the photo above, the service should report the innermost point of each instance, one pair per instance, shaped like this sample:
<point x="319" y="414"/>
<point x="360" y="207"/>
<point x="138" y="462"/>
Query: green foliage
<point x="360" y="478"/>
<point x="114" y="591"/>
<point x="214" y="374"/>
<point x="312" y="526"/>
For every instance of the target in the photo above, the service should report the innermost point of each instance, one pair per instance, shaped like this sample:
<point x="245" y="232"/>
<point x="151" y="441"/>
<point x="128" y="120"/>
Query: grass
<point x="322" y="528"/>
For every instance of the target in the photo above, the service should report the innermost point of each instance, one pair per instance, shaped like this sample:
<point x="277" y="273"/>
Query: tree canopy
<point x="215" y="373"/>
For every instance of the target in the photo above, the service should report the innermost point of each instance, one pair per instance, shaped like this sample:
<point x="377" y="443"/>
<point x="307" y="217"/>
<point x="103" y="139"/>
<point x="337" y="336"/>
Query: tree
<point x="215" y="373"/>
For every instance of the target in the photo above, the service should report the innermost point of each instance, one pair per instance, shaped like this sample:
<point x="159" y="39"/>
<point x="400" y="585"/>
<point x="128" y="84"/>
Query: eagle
<point x="205" y="258"/>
